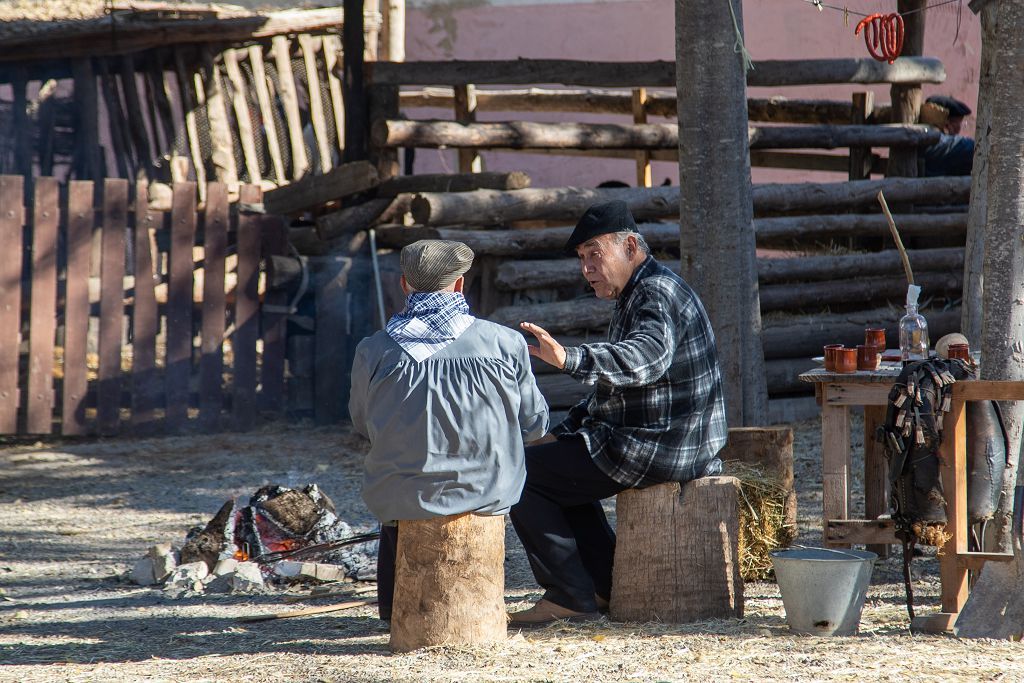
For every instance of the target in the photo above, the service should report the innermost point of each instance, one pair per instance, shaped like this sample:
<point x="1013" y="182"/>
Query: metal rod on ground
<point x="376" y="278"/>
<point x="896" y="236"/>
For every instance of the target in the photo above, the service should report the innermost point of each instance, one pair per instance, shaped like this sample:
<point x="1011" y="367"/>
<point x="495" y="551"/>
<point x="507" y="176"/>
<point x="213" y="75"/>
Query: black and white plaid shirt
<point x="657" y="413"/>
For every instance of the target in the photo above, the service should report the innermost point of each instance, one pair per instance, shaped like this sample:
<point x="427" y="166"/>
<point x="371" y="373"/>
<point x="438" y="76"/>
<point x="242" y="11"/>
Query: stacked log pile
<point x="807" y="301"/>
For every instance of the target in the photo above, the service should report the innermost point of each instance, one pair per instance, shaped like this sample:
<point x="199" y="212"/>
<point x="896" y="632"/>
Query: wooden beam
<point x="453" y="182"/>
<point x="650" y="74"/>
<point x="221" y="135"/>
<point x="520" y="134"/>
<point x="767" y="109"/>
<point x="308" y="45"/>
<point x="281" y="50"/>
<point x="332" y="51"/>
<point x="87" y="150"/>
<point x="906" y="97"/>
<point x="118" y="34"/>
<point x="259" y="77"/>
<point x="643" y="157"/>
<point x="134" y="120"/>
<point x="189" y="104"/>
<point x="243" y="118"/>
<point x="353" y="87"/>
<point x="859" y="166"/>
<point x="490" y="207"/>
<point x="315" y="191"/>
<point x="990" y="390"/>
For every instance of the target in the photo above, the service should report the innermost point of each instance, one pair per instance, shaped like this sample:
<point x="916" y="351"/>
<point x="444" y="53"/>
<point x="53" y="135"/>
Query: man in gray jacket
<point x="446" y="401"/>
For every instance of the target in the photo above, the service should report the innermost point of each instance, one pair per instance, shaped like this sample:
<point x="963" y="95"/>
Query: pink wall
<point x="629" y="30"/>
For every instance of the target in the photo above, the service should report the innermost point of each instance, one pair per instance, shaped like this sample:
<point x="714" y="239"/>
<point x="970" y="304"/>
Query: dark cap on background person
<point x="601" y="219"/>
<point x="433" y="265"/>
<point x="955" y="107"/>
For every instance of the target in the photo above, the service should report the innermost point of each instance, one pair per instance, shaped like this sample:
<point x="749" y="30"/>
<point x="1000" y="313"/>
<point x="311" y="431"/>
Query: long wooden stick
<point x="896" y="236"/>
<point x="306" y="612"/>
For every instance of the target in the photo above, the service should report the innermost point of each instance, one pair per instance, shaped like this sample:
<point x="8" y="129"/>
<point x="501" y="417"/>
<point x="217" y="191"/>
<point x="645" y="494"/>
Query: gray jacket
<point x="446" y="434"/>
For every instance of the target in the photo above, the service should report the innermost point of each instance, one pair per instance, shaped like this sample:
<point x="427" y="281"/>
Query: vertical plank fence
<point x="171" y="335"/>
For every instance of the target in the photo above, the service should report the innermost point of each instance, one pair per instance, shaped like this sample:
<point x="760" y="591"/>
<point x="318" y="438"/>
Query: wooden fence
<point x="120" y="318"/>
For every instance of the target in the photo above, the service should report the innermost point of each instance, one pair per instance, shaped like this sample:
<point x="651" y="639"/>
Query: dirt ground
<point x="74" y="517"/>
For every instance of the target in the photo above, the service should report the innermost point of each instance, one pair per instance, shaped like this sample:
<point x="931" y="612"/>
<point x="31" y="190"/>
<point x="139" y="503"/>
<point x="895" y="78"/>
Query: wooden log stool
<point x="449" y="582"/>
<point x="676" y="557"/>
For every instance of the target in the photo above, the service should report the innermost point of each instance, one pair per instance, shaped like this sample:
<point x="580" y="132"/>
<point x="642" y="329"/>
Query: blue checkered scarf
<point x="430" y="322"/>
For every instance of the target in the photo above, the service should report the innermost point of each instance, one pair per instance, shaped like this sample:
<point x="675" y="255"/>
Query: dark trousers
<point x="563" y="528"/>
<point x="386" y="552"/>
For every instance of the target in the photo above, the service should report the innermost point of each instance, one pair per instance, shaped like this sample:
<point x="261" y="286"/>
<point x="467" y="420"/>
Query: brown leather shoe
<point x="546" y="612"/>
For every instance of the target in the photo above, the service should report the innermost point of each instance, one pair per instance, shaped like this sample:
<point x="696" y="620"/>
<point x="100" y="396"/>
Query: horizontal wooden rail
<point x="531" y="134"/>
<point x="649" y="74"/>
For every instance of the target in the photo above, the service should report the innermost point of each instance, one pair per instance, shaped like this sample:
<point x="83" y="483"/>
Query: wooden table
<point x="837" y="392"/>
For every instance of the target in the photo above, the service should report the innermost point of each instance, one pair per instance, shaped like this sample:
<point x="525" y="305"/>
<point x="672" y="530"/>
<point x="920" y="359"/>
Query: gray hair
<point x="620" y="237"/>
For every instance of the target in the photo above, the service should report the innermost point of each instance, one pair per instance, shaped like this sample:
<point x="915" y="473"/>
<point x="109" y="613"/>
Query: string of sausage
<point x="883" y="35"/>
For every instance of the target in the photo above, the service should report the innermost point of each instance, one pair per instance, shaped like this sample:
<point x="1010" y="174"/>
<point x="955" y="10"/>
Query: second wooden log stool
<point x="449" y="582"/>
<point x="677" y="553"/>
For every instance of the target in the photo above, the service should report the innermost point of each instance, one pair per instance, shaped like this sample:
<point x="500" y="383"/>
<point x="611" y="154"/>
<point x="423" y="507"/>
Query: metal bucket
<point x="823" y="590"/>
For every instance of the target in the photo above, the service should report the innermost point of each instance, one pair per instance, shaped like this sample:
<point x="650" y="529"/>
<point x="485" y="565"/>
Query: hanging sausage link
<point x="883" y="35"/>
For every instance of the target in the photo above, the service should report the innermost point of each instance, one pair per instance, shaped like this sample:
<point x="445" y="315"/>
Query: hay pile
<point x="763" y="526"/>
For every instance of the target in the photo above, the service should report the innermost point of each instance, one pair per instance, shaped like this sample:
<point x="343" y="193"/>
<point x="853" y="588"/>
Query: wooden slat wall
<point x="145" y="377"/>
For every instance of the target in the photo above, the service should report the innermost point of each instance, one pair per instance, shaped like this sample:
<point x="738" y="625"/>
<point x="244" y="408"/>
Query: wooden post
<point x="189" y="104"/>
<point x="134" y="120"/>
<point x="332" y="50"/>
<point x="43" y="307"/>
<point x="179" y="305"/>
<point x="211" y="340"/>
<point x="371" y="47"/>
<point x="115" y="223"/>
<point x="465" y="112"/>
<point x="835" y="464"/>
<point x="876" y="473"/>
<point x="718" y="237"/>
<point x="394" y="30"/>
<point x="383" y="105"/>
<point x="643" y="157"/>
<point x="308" y="45"/>
<point x="677" y="553"/>
<point x="146" y="392"/>
<point x="21" y="126"/>
<point x="247" y="311"/>
<point x="906" y="98"/>
<point x="281" y="49"/>
<point x="860" y="157"/>
<point x="259" y="77"/>
<point x="122" y="145"/>
<point x="242" y="116"/>
<point x="356" y="132"/>
<point x="12" y="216"/>
<point x="770" y="448"/>
<point x="87" y="133"/>
<point x="221" y="137"/>
<point x="449" y="582"/>
<point x="80" y="220"/>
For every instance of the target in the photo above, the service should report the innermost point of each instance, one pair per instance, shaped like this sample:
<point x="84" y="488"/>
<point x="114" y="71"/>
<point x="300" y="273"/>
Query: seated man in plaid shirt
<point x="657" y="415"/>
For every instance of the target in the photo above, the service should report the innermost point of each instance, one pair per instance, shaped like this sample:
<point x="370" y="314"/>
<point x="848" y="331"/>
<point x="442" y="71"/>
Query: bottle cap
<point x="913" y="292"/>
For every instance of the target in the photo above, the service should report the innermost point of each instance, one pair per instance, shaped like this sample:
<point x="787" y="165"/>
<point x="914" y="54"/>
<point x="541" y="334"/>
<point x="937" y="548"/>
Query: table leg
<point x="876" y="474"/>
<point x="953" y="467"/>
<point x="835" y="466"/>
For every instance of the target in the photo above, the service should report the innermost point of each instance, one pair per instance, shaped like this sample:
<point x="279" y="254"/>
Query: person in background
<point x="953" y="154"/>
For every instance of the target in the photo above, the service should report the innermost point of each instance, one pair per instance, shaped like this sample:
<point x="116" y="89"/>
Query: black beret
<point x="601" y="219"/>
<point x="956" y="107"/>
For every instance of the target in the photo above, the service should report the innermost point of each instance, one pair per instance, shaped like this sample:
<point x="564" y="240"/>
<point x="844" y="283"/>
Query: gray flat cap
<point x="432" y="265"/>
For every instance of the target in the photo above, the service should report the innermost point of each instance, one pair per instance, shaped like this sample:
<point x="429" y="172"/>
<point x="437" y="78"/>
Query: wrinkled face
<point x="606" y="265"/>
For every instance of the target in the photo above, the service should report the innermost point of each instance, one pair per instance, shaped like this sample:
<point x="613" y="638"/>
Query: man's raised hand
<point x="547" y="349"/>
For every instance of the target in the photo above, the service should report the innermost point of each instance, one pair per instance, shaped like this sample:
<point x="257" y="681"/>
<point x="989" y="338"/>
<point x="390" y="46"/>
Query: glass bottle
<point x="914" y="343"/>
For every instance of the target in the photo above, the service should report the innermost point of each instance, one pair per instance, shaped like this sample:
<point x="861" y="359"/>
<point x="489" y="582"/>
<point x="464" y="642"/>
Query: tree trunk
<point x="449" y="582"/>
<point x="995" y="608"/>
<point x="717" y="236"/>
<point x="771" y="449"/>
<point x="978" y="213"/>
<point x="906" y="98"/>
<point x="676" y="555"/>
